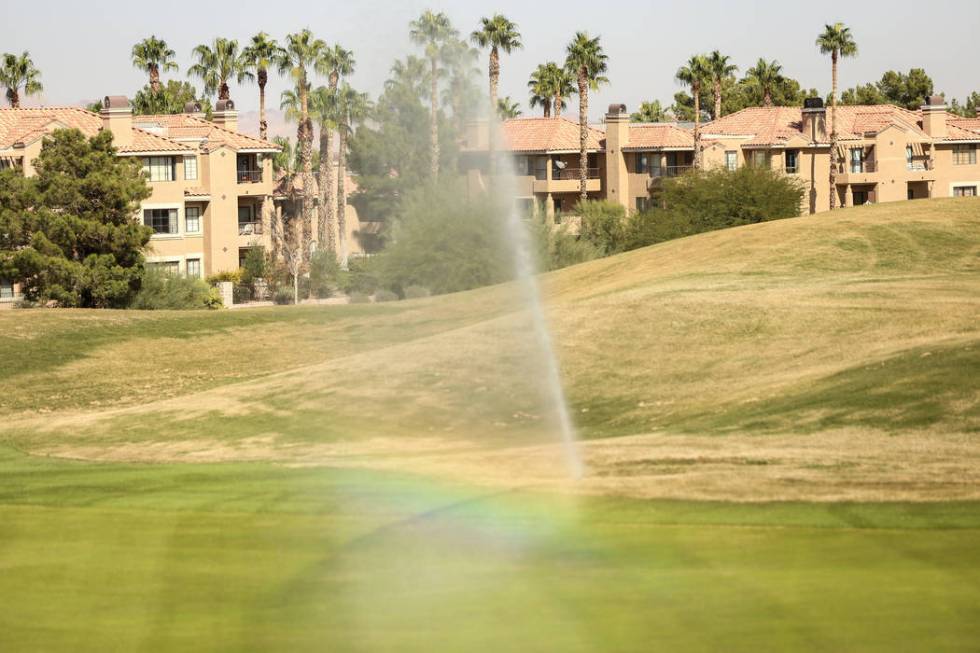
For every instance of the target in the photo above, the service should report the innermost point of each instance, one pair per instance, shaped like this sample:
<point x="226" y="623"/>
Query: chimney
<point x="117" y="117"/>
<point x="617" y="137"/>
<point x="814" y="119"/>
<point x="934" y="116"/>
<point x="194" y="109"/>
<point x="225" y="115"/>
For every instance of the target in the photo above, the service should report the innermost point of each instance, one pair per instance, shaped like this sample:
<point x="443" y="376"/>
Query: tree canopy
<point x="70" y="234"/>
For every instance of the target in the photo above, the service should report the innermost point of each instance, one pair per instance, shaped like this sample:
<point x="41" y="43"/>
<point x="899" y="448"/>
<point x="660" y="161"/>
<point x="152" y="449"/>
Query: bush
<point x="234" y="276"/>
<point x="325" y="273"/>
<point x="386" y="296"/>
<point x="283" y="296"/>
<point x="603" y="225"/>
<point x="416" y="292"/>
<point x="161" y="291"/>
<point x="446" y="241"/>
<point x="555" y="248"/>
<point x="358" y="298"/>
<point x="361" y="277"/>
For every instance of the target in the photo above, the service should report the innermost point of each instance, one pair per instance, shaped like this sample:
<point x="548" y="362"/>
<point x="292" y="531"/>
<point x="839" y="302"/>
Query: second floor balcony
<point x="249" y="175"/>
<point x="250" y="228"/>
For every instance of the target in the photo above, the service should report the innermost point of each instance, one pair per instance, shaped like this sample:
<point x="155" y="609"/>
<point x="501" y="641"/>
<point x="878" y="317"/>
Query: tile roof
<point x="654" y="135"/>
<point x="546" y="135"/>
<point x="153" y="133"/>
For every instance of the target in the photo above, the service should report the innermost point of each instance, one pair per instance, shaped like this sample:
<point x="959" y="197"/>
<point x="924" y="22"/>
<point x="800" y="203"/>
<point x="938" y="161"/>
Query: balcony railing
<point x="920" y="164"/>
<point x="574" y="173"/>
<point x="250" y="228"/>
<point x="249" y="176"/>
<point x="669" y="171"/>
<point x="854" y="168"/>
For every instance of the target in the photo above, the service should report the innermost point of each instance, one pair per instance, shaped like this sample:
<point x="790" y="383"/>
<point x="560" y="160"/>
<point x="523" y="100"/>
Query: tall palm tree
<point x="324" y="109"/>
<point x="338" y="63"/>
<point x="498" y="33"/>
<point x="586" y="60"/>
<point x="302" y="55"/>
<point x="720" y="69"/>
<point x="432" y="30"/>
<point x="508" y="108"/>
<point x="551" y="84"/>
<point x="837" y="41"/>
<point x="767" y="75"/>
<point x="261" y="54"/>
<point x="352" y="108"/>
<point x="19" y="72"/>
<point x="152" y="55"/>
<point x="694" y="74"/>
<point x="218" y="63"/>
<point x="459" y="60"/>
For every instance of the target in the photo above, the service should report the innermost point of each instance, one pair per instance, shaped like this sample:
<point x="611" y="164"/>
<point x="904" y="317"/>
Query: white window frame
<point x="190" y="166"/>
<point x="152" y="165"/>
<point x="962" y="186"/>
<point x="968" y="149"/>
<point x="200" y="267"/>
<point x="187" y="219"/>
<point x="731" y="160"/>
<point x="173" y="215"/>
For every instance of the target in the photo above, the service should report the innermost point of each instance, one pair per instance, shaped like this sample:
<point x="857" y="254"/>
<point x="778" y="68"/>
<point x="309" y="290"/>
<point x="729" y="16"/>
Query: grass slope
<point x="806" y="353"/>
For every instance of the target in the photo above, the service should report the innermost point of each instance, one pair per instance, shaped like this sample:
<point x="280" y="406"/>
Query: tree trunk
<point x="696" y="91"/>
<point x="342" y="195"/>
<point x="306" y="154"/>
<point x="14" y="98"/>
<point x="557" y="103"/>
<point x="833" y="130"/>
<point x="434" y="121"/>
<point x="547" y="107"/>
<point x="583" y="133"/>
<point x="263" y="79"/>
<point x="154" y="78"/>
<point x="717" y="99"/>
<point x="767" y="98"/>
<point x="224" y="93"/>
<point x="494" y="79"/>
<point x="325" y="226"/>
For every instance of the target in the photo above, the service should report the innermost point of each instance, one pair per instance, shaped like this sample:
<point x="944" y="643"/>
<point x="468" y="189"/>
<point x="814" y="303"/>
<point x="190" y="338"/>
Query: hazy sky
<point x="83" y="48"/>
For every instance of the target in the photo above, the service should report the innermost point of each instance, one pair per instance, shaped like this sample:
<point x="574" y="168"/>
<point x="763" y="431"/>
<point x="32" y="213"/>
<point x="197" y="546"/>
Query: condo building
<point x="884" y="154"/>
<point x="208" y="180"/>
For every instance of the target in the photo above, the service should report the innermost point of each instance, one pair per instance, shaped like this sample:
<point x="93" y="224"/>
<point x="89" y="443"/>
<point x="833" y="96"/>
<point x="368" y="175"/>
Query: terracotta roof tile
<point x="546" y="135"/>
<point x="185" y="126"/>
<point x="645" y="136"/>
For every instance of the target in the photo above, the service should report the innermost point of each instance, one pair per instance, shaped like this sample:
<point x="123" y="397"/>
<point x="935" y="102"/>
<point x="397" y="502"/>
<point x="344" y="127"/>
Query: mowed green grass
<point x="864" y="320"/>
<point x="256" y="558"/>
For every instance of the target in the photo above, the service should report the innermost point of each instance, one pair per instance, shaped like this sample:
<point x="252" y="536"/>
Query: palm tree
<point x="650" y="112"/>
<point x="18" y="72"/>
<point x="153" y="55"/>
<point x="261" y="54"/>
<point x="282" y="161"/>
<point x="719" y="69"/>
<point x="508" y="108"/>
<point x="586" y="60"/>
<point x="767" y="75"/>
<point x="498" y="33"/>
<point x="338" y="63"/>
<point x="540" y="89"/>
<point x="837" y="41"/>
<point x="693" y="74"/>
<point x="460" y="62"/>
<point x="218" y="63"/>
<point x="431" y="31"/>
<point x="323" y="107"/>
<point x="303" y="54"/>
<point x="352" y="107"/>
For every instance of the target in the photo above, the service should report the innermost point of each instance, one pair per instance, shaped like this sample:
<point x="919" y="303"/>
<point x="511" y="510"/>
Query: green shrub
<point x="603" y="225"/>
<point x="255" y="266"/>
<point x="234" y="276"/>
<point x="283" y="296"/>
<point x="556" y="248"/>
<point x="161" y="291"/>
<point x="416" y="292"/>
<point x="386" y="296"/>
<point x="325" y="273"/>
<point x="361" y="277"/>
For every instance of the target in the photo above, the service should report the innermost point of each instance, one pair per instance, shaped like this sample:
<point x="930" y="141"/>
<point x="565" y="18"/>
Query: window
<point x="6" y="289"/>
<point x="643" y="204"/>
<point x="192" y="219"/>
<point x="163" y="221"/>
<point x="642" y="163"/>
<point x="655" y="161"/>
<point x="964" y="155"/>
<point x="159" y="168"/>
<point x="860" y="197"/>
<point x="792" y="161"/>
<point x="194" y="268"/>
<point x="190" y="168"/>
<point x="731" y="160"/>
<point x="857" y="159"/>
<point x="760" y="158"/>
<point x="965" y="191"/>
<point x="166" y="267"/>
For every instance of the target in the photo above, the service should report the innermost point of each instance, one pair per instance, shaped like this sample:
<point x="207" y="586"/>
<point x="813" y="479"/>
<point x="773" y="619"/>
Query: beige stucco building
<point x="208" y="180"/>
<point x="885" y="153"/>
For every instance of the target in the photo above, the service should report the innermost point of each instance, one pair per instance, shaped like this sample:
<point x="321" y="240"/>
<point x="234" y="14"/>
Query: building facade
<point x="209" y="182"/>
<point x="885" y="153"/>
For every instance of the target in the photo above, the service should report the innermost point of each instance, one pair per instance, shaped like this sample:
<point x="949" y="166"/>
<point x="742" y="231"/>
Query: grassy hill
<point x="779" y="423"/>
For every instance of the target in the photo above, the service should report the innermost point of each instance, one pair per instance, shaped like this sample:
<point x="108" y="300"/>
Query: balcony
<point x="249" y="176"/>
<point x="253" y="228"/>
<point x="568" y="180"/>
